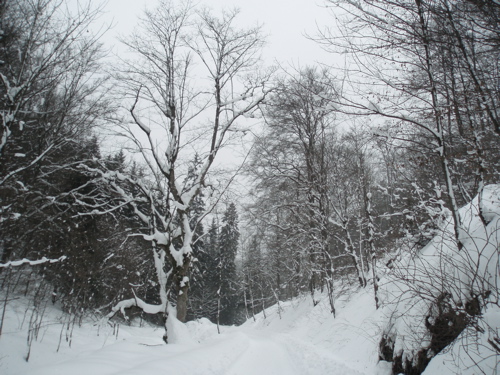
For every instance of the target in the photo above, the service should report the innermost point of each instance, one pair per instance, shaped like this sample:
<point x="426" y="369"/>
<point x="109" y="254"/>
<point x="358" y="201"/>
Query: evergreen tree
<point x="116" y="162"/>
<point x="228" y="247"/>
<point x="203" y="301"/>
<point x="204" y="298"/>
<point x="198" y="205"/>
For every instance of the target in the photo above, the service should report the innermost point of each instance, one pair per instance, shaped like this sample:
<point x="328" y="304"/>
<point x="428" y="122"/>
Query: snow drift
<point x="440" y="293"/>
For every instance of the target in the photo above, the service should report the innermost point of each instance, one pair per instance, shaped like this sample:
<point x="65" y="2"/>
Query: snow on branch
<point x="136" y="301"/>
<point x="17" y="263"/>
<point x="36" y="160"/>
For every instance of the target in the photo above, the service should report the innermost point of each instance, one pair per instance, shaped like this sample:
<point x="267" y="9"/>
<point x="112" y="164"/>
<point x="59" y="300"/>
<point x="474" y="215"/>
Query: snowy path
<point x="281" y="354"/>
<point x="236" y="352"/>
<point x="298" y="339"/>
<point x="263" y="356"/>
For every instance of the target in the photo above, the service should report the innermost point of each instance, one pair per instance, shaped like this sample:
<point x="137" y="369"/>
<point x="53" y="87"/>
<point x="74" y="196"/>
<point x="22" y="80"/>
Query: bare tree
<point x="179" y="109"/>
<point x="47" y="55"/>
<point x="291" y="165"/>
<point x="427" y="69"/>
<point x="417" y="64"/>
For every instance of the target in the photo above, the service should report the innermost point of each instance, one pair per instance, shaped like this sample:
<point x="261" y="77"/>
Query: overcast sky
<point x="284" y="21"/>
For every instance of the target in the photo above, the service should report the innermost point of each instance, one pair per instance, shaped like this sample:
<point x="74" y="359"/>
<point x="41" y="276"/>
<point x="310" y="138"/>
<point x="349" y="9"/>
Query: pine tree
<point x="203" y="293"/>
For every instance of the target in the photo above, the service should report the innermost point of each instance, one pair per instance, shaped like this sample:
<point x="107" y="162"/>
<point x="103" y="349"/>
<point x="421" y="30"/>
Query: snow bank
<point x="441" y="285"/>
<point x="471" y="353"/>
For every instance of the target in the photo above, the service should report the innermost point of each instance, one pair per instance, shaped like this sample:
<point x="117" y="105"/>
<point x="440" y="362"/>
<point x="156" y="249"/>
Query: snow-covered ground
<point x="294" y="337"/>
<point x="305" y="340"/>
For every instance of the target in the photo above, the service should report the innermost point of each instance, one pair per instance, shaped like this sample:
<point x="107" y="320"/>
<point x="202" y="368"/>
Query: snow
<point x="184" y="281"/>
<point x="471" y="348"/>
<point x="305" y="340"/>
<point x="293" y="337"/>
<point x="440" y="270"/>
<point x="267" y="346"/>
<point x="161" y="238"/>
<point x="146" y="307"/>
<point x="17" y="263"/>
<point x="348" y="342"/>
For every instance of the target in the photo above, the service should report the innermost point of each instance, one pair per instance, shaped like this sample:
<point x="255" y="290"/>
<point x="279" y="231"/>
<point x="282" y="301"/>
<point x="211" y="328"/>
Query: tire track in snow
<point x="263" y="356"/>
<point x="280" y="354"/>
<point x="312" y="360"/>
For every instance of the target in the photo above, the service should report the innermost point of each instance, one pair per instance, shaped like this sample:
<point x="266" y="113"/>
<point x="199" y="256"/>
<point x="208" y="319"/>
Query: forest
<point x="120" y="199"/>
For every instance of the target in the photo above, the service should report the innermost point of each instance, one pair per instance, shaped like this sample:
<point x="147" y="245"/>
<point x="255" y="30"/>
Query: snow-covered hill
<point x="431" y="295"/>
<point x="297" y="337"/>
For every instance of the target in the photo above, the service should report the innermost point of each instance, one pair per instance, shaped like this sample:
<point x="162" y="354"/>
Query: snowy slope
<point x="351" y="337"/>
<point x="440" y="279"/>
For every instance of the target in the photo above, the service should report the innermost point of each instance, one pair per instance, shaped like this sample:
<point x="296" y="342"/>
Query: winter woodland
<point x="358" y="232"/>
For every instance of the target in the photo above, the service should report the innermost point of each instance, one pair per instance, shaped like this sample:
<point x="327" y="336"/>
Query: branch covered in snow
<point x="136" y="301"/>
<point x="17" y="263"/>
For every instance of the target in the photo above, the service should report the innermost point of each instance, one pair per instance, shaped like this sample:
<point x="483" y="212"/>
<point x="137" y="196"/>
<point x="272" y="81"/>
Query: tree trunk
<point x="182" y="286"/>
<point x="182" y="301"/>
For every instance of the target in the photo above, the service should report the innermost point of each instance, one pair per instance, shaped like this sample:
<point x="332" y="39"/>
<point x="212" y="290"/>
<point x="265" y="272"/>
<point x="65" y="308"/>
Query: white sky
<point x="284" y="22"/>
